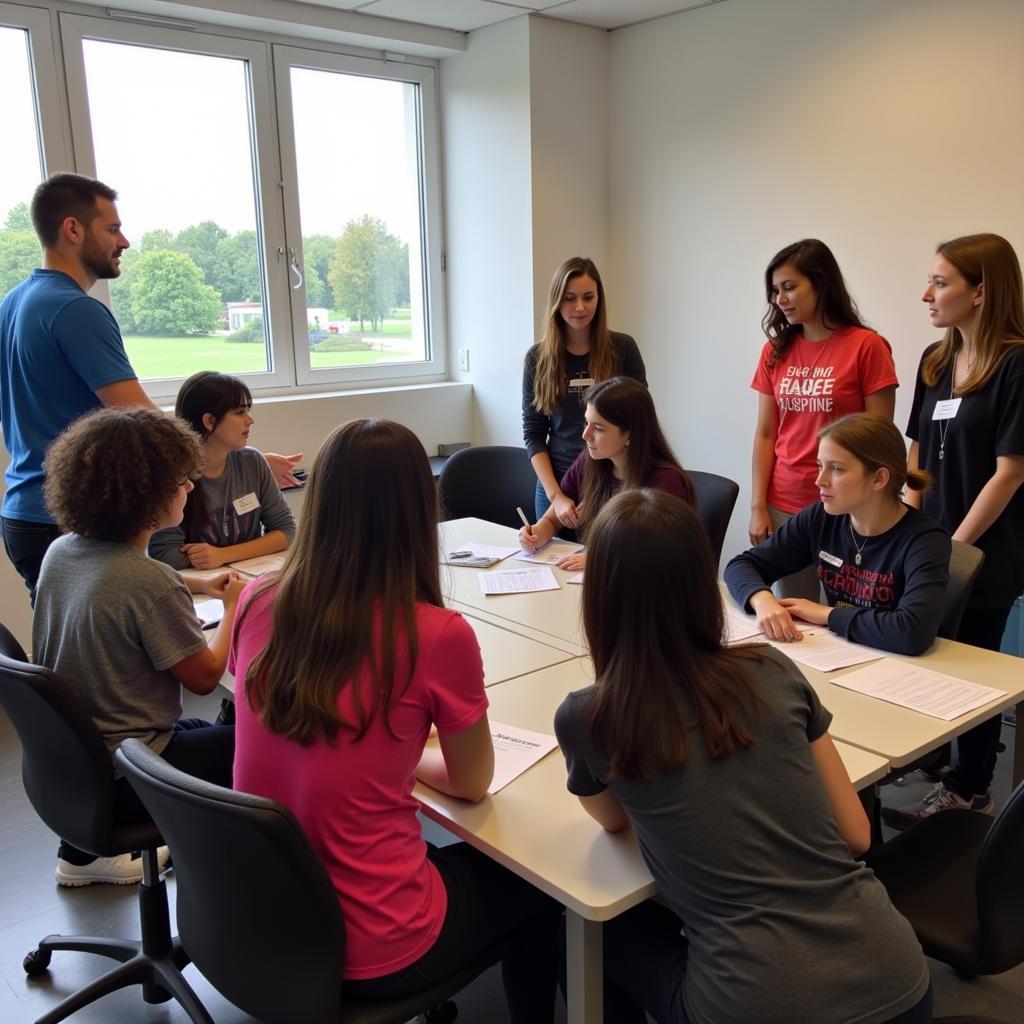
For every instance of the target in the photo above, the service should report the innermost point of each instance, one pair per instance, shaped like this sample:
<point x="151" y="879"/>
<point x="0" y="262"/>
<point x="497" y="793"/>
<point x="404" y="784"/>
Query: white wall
<point x="880" y="126"/>
<point x="525" y="137"/>
<point x="436" y="412"/>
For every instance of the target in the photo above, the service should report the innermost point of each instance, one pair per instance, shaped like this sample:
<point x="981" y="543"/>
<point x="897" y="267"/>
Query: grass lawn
<point x="178" y="357"/>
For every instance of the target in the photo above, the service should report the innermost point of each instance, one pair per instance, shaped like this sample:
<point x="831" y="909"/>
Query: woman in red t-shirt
<point x="818" y="364"/>
<point x="344" y="661"/>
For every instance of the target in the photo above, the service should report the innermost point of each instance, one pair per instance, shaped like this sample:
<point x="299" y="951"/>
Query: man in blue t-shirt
<point x="61" y="352"/>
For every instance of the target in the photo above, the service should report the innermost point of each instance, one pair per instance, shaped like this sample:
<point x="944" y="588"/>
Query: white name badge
<point x="946" y="409"/>
<point x="581" y="382"/>
<point x="831" y="559"/>
<point x="247" y="503"/>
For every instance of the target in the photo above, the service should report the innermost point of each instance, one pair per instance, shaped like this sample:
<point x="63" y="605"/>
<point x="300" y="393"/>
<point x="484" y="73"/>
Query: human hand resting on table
<point x="216" y="586"/>
<point x="572" y="563"/>
<point x="203" y="556"/>
<point x="773" y="619"/>
<point x="566" y="511"/>
<point x="808" y="611"/>
<point x="282" y="466"/>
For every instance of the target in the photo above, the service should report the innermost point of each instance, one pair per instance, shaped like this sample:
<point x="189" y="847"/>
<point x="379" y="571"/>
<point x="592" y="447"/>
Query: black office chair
<point x="716" y="498"/>
<point x="965" y="562"/>
<point x="69" y="780"/>
<point x="488" y="482"/>
<point x="957" y="878"/>
<point x="256" y="909"/>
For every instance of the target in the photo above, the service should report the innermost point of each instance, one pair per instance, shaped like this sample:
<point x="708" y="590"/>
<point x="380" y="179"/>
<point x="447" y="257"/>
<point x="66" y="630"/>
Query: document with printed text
<point x="515" y="750"/>
<point x="920" y="689"/>
<point x="826" y="651"/>
<point x="517" y="581"/>
<point x="261" y="565"/>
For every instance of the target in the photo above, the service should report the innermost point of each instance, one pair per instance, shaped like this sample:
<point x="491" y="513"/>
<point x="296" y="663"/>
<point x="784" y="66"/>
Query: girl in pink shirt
<point x="819" y="363"/>
<point x="344" y="661"/>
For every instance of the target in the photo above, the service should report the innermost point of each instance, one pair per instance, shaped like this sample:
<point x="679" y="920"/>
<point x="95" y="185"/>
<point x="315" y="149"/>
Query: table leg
<point x="1018" y="751"/>
<point x="584" y="970"/>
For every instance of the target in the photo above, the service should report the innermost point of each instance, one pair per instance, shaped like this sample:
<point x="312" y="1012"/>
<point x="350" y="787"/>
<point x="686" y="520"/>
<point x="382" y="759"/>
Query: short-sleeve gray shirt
<point x="110" y="622"/>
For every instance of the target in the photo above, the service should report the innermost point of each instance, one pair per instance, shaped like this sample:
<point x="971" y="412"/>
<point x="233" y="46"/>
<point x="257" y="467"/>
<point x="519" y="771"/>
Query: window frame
<point x="434" y="365"/>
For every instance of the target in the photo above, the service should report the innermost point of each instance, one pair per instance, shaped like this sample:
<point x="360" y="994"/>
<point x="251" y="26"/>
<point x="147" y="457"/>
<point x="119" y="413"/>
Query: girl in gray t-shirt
<point x="720" y="760"/>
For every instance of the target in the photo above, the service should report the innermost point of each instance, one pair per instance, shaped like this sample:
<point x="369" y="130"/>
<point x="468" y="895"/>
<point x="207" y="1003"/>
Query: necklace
<point x="944" y="424"/>
<point x="858" y="557"/>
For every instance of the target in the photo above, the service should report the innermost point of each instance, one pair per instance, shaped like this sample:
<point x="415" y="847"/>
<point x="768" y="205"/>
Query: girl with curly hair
<point x="117" y="627"/>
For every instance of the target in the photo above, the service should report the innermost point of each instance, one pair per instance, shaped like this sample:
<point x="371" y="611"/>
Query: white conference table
<point x="897" y="734"/>
<point x="538" y="830"/>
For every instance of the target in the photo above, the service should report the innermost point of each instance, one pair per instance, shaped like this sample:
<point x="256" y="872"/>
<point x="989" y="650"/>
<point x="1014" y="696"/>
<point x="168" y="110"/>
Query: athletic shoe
<point x="939" y="799"/>
<point x="125" y="869"/>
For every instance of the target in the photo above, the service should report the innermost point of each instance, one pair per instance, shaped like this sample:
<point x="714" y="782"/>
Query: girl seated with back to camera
<point x="720" y="760"/>
<point x="624" y="448"/>
<point x="344" y="661"/>
<point x="883" y="565"/>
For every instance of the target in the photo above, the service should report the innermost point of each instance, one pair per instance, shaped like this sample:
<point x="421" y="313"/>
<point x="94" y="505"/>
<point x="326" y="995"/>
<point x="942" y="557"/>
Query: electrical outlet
<point x="463" y="358"/>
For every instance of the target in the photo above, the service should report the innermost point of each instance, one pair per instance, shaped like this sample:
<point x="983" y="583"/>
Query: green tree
<point x="200" y="241"/>
<point x="169" y="296"/>
<point x="19" y="254"/>
<point x="121" y="291"/>
<point x="317" y="253"/>
<point x="158" y="240"/>
<point x="19" y="218"/>
<point x="365" y="273"/>
<point x="235" y="269"/>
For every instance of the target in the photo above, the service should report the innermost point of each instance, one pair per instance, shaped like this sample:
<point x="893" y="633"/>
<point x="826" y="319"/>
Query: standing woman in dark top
<point x="576" y="351"/>
<point x="967" y="428"/>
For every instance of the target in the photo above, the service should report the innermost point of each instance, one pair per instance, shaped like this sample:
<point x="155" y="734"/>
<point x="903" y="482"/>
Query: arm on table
<point x="464" y="764"/>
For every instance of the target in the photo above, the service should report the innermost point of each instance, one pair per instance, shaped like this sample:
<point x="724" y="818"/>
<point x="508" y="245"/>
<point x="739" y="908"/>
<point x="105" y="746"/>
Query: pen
<point x="526" y="522"/>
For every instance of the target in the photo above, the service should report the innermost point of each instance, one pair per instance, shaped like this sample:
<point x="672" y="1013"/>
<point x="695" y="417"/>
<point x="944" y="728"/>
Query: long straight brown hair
<point x="626" y="404"/>
<point x="365" y="555"/>
<point x="549" y="373"/>
<point x="654" y="621"/>
<point x="987" y="260"/>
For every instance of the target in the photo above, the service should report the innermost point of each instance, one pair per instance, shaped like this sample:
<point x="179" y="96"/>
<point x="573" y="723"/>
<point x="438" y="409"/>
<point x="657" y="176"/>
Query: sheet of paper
<point x="515" y="750"/>
<point x="490" y="553"/>
<point x="552" y="552"/>
<point x="739" y="626"/>
<point x="210" y="610"/>
<point x="517" y="581"/>
<point x="578" y="578"/>
<point x="920" y="689"/>
<point x="826" y="651"/>
<point x="260" y="565"/>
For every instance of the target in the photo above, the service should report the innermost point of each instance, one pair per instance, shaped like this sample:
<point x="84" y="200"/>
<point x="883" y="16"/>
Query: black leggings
<point x="486" y="905"/>
<point x="196" y="748"/>
<point x="977" y="748"/>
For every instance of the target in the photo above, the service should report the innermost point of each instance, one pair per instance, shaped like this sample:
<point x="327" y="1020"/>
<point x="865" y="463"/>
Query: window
<point x="286" y="234"/>
<point x="24" y="61"/>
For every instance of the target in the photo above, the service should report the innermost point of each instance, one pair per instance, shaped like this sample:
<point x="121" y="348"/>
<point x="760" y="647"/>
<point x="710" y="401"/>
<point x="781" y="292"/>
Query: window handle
<point x="293" y="266"/>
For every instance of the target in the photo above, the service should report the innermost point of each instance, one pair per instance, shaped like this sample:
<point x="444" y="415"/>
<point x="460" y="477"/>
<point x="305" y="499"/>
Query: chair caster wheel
<point x="36" y="962"/>
<point x="443" y="1014"/>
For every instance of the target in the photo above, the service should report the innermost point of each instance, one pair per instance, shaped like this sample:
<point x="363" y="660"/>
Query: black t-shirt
<point x="989" y="423"/>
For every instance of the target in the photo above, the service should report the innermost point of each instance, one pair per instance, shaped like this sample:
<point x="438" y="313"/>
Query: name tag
<point x="247" y="503"/>
<point x="831" y="559"/>
<point x="946" y="409"/>
<point x="581" y="382"/>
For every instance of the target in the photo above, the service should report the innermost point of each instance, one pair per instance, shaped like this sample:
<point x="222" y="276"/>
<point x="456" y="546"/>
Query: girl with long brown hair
<point x="625" y="448"/>
<point x="967" y="430"/>
<point x="720" y="760"/>
<point x="882" y="565"/>
<point x="819" y="362"/>
<point x="576" y="350"/>
<point x="344" y="662"/>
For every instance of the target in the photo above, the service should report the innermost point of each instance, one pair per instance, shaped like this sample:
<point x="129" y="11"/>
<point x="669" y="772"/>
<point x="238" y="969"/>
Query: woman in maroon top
<point x="625" y="448"/>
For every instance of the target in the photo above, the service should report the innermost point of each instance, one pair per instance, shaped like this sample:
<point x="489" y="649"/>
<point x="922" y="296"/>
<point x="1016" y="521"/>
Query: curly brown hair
<point x="112" y="473"/>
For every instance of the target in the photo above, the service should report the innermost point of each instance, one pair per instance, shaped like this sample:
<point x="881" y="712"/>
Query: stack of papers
<point x="261" y="565"/>
<point x="920" y="689"/>
<point x="552" y="552"/>
<point x="479" y="556"/>
<point x="517" y="581"/>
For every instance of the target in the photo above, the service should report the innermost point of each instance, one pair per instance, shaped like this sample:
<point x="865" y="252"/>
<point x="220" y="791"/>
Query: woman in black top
<point x="577" y="350"/>
<point x="967" y="429"/>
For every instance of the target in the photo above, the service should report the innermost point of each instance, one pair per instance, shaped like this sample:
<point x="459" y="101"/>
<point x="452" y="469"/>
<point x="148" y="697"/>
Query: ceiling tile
<point x="462" y="15"/>
<point x="617" y="13"/>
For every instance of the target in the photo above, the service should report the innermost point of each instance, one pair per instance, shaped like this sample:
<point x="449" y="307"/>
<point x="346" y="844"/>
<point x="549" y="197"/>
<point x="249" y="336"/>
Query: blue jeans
<point x="26" y="543"/>
<point x="540" y="502"/>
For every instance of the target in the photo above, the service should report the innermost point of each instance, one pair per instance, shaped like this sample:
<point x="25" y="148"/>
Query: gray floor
<point x="31" y="906"/>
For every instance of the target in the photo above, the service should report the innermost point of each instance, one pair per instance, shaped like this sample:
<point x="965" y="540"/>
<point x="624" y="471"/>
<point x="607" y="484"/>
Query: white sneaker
<point x="938" y="799"/>
<point x="125" y="869"/>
